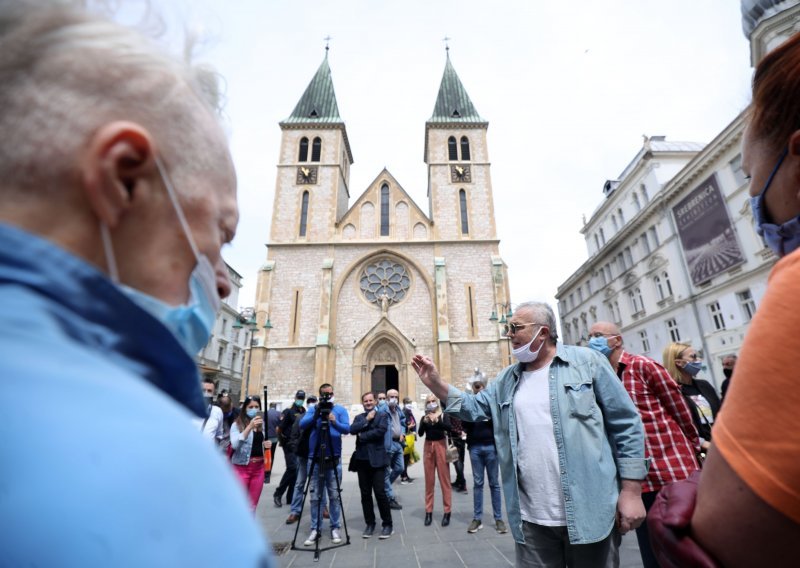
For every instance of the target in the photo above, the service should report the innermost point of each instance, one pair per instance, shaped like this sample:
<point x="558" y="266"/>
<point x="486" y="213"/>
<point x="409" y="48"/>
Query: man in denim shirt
<point x="569" y="441"/>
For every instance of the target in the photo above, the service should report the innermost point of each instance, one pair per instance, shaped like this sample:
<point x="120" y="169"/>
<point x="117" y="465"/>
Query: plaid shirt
<point x="671" y="439"/>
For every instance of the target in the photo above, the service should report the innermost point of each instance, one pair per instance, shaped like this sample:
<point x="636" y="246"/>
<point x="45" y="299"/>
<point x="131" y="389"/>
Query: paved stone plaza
<point x="413" y="544"/>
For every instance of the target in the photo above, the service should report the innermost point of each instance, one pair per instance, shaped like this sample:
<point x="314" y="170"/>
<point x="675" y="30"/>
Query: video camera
<point x="325" y="405"/>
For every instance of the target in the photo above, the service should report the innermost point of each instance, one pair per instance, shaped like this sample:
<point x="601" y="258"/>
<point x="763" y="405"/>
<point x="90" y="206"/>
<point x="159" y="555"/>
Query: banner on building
<point x="707" y="236"/>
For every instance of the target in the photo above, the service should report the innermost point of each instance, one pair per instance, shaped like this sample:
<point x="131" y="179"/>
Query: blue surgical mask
<point x="600" y="344"/>
<point x="382" y="404"/>
<point x="251" y="412"/>
<point x="190" y="323"/>
<point x="693" y="367"/>
<point x="298" y="402"/>
<point x="782" y="239"/>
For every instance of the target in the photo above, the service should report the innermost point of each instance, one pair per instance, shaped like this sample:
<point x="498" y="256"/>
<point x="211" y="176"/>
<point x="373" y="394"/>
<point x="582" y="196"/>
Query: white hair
<point x="542" y="314"/>
<point x="65" y="72"/>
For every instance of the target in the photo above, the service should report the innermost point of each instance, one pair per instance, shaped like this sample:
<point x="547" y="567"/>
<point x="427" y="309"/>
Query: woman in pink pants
<point x="248" y="443"/>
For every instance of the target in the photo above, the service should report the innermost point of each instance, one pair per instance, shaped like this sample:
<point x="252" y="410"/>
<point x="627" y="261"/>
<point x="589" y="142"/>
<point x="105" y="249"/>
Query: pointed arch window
<point x="304" y="214"/>
<point x="384" y="210"/>
<point x="452" y="149"/>
<point x="462" y="198"/>
<point x="316" y="149"/>
<point x="303" y="156"/>
<point x="465" y="148"/>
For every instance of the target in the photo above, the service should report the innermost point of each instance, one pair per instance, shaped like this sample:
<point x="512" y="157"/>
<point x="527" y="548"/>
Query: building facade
<point x="353" y="291"/>
<point x="673" y="253"/>
<point x="224" y="357"/>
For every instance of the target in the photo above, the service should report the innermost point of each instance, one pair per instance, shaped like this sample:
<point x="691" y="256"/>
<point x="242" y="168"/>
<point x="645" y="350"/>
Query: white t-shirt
<point x="541" y="500"/>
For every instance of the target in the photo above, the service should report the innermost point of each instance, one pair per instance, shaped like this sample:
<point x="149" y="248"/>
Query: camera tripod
<point x="323" y="461"/>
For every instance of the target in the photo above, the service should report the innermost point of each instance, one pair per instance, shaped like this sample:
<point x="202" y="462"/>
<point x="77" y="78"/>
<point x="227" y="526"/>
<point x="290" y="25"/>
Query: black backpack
<point x="298" y="438"/>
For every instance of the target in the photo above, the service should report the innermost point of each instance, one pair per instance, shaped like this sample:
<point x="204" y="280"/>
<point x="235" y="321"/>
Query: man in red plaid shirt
<point x="671" y="439"/>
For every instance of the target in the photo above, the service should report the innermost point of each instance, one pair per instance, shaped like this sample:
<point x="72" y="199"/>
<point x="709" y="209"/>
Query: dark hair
<point x="243" y="420"/>
<point x="366" y="393"/>
<point x="775" y="111"/>
<point x="324" y="386"/>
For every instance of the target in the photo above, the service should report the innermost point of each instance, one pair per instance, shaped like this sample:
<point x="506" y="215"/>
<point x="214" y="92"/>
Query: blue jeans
<point x="485" y="456"/>
<point x="300" y="487"/>
<point x="395" y="468"/>
<point x="329" y="483"/>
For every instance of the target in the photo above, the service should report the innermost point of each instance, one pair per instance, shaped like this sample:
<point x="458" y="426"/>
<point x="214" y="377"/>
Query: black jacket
<point x="370" y="441"/>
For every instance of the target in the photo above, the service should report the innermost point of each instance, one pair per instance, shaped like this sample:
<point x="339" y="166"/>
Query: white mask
<point x="524" y="353"/>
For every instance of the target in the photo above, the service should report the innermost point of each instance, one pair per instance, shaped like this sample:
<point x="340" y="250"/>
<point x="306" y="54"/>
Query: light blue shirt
<point x="599" y="436"/>
<point x="101" y="463"/>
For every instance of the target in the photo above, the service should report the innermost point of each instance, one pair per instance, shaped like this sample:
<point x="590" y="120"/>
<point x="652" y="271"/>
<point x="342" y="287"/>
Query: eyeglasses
<point x="513" y="328"/>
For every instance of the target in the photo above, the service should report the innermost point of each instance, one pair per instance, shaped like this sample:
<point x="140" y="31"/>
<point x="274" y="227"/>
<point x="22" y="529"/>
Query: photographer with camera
<point x="328" y="422"/>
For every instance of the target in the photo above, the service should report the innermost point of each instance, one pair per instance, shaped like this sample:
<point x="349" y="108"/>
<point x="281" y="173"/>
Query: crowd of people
<point x="117" y="193"/>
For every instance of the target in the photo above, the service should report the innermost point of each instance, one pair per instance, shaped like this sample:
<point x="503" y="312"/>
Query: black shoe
<point x="368" y="532"/>
<point x="446" y="519"/>
<point x="277" y="500"/>
<point x="393" y="504"/>
<point x="428" y="518"/>
<point x="386" y="532"/>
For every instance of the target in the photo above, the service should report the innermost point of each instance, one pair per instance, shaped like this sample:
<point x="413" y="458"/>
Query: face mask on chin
<point x="524" y="353"/>
<point x="190" y="323"/>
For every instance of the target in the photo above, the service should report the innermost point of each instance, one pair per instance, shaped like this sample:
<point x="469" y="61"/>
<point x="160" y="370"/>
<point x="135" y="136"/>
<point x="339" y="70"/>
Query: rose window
<point x="385" y="277"/>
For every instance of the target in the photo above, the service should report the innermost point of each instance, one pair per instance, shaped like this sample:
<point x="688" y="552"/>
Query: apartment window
<point x="303" y="155"/>
<point x="616" y="313"/>
<point x="580" y="295"/>
<point x="220" y="354"/>
<point x="603" y="276"/>
<point x="747" y="304"/>
<point x="596" y="242"/>
<point x="637" y="303"/>
<point x="654" y="236"/>
<point x="663" y="286"/>
<point x="636" y="204"/>
<point x="464" y="148"/>
<point x="384" y="210"/>
<point x="645" y="244"/>
<point x="667" y="284"/>
<point x="304" y="214"/>
<point x="645" y="341"/>
<point x="452" y="148"/>
<point x="462" y="199"/>
<point x="567" y="333"/>
<point x="716" y="316"/>
<point x="643" y="189"/>
<point x="628" y="257"/>
<point x="736" y="168"/>
<point x="621" y="263"/>
<point x="602" y="236"/>
<point x="672" y="330"/>
<point x="224" y="326"/>
<point x="614" y="223"/>
<point x="316" y="149"/>
<point x="571" y="301"/>
<point x="621" y="217"/>
<point x="589" y="287"/>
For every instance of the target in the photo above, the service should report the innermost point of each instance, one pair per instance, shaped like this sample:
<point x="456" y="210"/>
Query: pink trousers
<point x="252" y="476"/>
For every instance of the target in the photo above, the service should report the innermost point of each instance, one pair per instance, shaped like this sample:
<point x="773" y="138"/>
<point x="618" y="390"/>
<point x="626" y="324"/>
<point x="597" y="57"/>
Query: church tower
<point x="459" y="181"/>
<point x="311" y="192"/>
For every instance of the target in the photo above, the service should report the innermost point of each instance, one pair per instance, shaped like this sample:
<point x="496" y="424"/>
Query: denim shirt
<point x="242" y="447"/>
<point x="388" y="441"/>
<point x="599" y="436"/>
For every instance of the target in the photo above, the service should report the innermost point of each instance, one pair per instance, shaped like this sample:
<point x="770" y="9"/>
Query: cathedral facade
<point x="352" y="291"/>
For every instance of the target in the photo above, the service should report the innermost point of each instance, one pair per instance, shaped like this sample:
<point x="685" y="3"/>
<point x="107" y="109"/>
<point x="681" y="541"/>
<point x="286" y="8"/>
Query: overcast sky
<point x="568" y="88"/>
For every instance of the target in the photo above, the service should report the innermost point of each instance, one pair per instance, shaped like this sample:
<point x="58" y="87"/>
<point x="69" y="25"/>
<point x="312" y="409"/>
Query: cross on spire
<point x="446" y="39"/>
<point x="327" y="43"/>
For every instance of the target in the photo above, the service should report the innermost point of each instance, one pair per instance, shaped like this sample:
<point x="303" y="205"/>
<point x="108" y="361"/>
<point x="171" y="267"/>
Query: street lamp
<point x="247" y="318"/>
<point x="504" y="317"/>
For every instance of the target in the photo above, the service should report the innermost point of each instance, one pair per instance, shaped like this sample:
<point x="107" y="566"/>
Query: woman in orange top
<point x="747" y="508"/>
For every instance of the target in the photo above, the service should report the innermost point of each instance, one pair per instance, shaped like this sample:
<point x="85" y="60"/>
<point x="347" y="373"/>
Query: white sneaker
<point x="312" y="538"/>
<point x="336" y="538"/>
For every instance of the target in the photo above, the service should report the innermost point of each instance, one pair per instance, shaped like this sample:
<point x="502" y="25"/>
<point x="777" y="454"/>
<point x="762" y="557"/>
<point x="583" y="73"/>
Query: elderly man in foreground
<point x="117" y="192"/>
<point x="569" y="441"/>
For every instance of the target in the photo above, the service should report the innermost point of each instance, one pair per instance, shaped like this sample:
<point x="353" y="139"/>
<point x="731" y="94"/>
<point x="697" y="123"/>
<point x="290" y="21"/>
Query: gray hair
<point x="542" y="314"/>
<point x="65" y="72"/>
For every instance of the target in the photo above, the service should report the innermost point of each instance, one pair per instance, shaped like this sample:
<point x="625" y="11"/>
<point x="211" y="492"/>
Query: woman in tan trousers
<point x="435" y="426"/>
